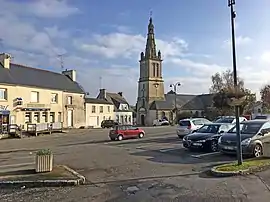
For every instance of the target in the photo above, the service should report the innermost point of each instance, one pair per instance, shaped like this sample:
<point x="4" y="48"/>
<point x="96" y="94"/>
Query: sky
<point x="102" y="40"/>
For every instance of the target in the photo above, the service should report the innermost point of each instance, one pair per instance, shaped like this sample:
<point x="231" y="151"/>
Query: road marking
<point x="167" y="150"/>
<point x="206" y="154"/>
<point x="16" y="165"/>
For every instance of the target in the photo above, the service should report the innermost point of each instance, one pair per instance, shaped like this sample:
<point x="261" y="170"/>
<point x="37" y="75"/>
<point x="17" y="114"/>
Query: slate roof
<point x="115" y="99"/>
<point x="97" y="101"/>
<point x="28" y="76"/>
<point x="184" y="102"/>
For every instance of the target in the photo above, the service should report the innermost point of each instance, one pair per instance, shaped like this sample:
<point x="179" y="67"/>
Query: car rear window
<point x="261" y="117"/>
<point x="184" y="123"/>
<point x="225" y="120"/>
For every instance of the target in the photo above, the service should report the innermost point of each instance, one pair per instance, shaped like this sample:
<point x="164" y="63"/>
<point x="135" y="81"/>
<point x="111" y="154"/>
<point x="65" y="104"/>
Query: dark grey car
<point x="206" y="137"/>
<point x="254" y="134"/>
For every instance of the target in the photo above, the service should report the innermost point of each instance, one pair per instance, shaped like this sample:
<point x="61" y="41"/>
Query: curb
<point x="44" y="183"/>
<point x="216" y="173"/>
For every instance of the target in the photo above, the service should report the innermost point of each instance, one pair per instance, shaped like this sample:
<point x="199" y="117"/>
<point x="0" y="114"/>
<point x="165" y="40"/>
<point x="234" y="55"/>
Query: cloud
<point x="265" y="57"/>
<point x="55" y="32"/>
<point x="239" y="40"/>
<point x="118" y="44"/>
<point x="39" y="8"/>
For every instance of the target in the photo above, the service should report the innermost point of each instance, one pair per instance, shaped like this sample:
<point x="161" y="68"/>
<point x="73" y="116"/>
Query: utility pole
<point x="231" y="4"/>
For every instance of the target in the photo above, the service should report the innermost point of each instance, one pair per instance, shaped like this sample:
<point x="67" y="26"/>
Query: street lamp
<point x="174" y="86"/>
<point x="231" y="4"/>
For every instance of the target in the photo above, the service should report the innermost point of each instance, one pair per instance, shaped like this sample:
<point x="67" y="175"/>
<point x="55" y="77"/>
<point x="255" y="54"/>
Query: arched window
<point x="154" y="69"/>
<point x="157" y="70"/>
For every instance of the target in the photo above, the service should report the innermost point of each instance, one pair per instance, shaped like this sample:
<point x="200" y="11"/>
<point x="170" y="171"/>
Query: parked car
<point x="206" y="137"/>
<point x="253" y="134"/>
<point x="229" y="119"/>
<point x="120" y="132"/>
<point x="262" y="117"/>
<point x="160" y="122"/>
<point x="186" y="126"/>
<point x="108" y="124"/>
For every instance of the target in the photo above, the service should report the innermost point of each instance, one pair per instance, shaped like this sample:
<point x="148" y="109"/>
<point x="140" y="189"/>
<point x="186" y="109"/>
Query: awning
<point x="4" y="112"/>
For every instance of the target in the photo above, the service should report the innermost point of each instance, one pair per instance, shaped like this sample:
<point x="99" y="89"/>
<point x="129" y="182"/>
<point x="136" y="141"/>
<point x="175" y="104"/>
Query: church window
<point x="154" y="69"/>
<point x="157" y="70"/>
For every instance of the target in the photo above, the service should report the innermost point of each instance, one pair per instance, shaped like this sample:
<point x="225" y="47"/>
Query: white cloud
<point x="55" y="32"/>
<point x="239" y="40"/>
<point x="266" y="57"/>
<point x="120" y="44"/>
<point x="39" y="8"/>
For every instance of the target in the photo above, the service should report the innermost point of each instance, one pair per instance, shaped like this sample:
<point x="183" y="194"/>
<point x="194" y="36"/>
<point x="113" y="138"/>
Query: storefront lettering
<point x="3" y="107"/>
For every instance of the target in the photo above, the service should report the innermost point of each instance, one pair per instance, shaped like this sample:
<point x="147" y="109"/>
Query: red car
<point x="121" y="132"/>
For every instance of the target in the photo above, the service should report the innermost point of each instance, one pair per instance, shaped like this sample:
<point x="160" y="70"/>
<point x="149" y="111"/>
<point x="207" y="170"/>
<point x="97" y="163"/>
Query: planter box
<point x="44" y="163"/>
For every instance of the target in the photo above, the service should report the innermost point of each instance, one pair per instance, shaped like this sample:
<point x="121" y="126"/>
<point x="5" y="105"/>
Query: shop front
<point x="4" y="119"/>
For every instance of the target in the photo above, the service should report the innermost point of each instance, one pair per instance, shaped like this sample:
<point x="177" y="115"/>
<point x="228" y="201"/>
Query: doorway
<point x="142" y="120"/>
<point x="70" y="118"/>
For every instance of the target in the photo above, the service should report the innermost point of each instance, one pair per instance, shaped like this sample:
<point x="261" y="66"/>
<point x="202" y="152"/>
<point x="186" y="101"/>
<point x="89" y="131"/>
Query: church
<point x="152" y="103"/>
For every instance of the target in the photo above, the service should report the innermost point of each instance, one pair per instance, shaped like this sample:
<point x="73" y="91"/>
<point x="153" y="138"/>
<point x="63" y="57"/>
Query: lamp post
<point x="174" y="86"/>
<point x="231" y="4"/>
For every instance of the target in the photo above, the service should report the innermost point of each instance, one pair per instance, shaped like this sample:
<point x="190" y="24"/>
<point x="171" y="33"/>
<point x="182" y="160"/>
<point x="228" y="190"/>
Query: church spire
<point x="150" y="50"/>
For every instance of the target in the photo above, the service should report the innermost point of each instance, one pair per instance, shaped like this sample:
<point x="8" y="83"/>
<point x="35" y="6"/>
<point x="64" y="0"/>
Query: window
<point x="27" y="118"/>
<point x="117" y="118"/>
<point x="44" y="117"/>
<point x="154" y="69"/>
<point x="101" y="109"/>
<point x="126" y="118"/>
<point x="93" y="109"/>
<point x="109" y="109"/>
<point x="59" y="117"/>
<point x="54" y="98"/>
<point x="69" y="100"/>
<point x="36" y="117"/>
<point x="3" y="94"/>
<point x="104" y="117"/>
<point x="129" y="119"/>
<point x="52" y="117"/>
<point x="34" y="96"/>
<point x="157" y="70"/>
<point x="110" y="117"/>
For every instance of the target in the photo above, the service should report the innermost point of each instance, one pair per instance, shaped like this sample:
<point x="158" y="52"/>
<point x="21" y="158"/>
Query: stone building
<point x="152" y="103"/>
<point x="30" y="95"/>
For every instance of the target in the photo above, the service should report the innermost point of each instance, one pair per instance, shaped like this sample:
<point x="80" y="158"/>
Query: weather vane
<point x="151" y="13"/>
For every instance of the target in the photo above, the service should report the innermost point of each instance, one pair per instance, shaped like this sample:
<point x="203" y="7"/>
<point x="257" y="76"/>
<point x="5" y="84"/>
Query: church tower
<point x="151" y="84"/>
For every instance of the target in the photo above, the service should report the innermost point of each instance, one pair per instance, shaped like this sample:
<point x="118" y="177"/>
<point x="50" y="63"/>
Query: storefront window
<point x="36" y="117"/>
<point x="52" y="117"/>
<point x="27" y="118"/>
<point x="44" y="117"/>
<point x="59" y="117"/>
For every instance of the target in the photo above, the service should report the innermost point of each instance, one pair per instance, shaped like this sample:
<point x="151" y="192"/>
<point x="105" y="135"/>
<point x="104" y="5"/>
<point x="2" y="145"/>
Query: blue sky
<point x="105" y="38"/>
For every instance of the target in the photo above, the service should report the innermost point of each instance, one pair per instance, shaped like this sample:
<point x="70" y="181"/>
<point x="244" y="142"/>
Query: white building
<point x="122" y="111"/>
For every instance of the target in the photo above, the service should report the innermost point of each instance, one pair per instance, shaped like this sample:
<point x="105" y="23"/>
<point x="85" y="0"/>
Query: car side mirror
<point x="260" y="134"/>
<point x="194" y="131"/>
<point x="222" y="131"/>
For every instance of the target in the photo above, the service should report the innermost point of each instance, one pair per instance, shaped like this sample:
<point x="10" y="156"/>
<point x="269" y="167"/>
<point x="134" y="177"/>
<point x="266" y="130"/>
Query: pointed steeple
<point x="150" y="50"/>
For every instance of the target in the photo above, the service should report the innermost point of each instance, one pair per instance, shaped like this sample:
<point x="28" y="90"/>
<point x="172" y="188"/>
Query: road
<point x="155" y="168"/>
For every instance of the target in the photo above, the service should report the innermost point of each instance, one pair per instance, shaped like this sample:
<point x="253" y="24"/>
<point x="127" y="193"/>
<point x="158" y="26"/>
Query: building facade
<point x="30" y="95"/>
<point x="122" y="112"/>
<point x="98" y="110"/>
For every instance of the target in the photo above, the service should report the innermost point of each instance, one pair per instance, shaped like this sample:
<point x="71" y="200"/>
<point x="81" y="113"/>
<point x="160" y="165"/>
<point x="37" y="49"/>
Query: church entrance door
<point x="142" y="120"/>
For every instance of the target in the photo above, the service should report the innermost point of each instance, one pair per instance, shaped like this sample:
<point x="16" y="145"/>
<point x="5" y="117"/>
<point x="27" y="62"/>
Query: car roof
<point x="219" y="124"/>
<point x="191" y="119"/>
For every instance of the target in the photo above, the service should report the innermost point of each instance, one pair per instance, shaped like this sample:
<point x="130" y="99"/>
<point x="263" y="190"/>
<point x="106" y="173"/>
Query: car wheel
<point x="141" y="135"/>
<point x="214" y="146"/>
<point x="257" y="151"/>
<point x="120" y="137"/>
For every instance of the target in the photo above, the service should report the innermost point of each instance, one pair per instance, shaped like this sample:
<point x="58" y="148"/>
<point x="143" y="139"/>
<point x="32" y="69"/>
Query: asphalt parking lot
<point x="154" y="168"/>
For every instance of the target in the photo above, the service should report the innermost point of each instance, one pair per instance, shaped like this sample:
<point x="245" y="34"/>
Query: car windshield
<point x="208" y="129"/>
<point x="225" y="120"/>
<point x="247" y="128"/>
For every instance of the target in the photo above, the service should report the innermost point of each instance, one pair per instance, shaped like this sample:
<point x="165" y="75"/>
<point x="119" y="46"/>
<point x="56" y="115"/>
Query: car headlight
<point x="219" y="140"/>
<point x="246" y="142"/>
<point x="200" y="141"/>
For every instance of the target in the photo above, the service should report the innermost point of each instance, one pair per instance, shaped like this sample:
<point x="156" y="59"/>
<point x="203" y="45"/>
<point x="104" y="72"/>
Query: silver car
<point x="187" y="126"/>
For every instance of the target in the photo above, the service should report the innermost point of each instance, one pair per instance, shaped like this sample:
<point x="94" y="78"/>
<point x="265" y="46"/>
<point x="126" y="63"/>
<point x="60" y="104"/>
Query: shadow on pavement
<point x="17" y="172"/>
<point x="85" y="143"/>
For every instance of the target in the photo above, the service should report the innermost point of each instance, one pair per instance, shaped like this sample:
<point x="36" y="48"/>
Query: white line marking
<point x="15" y="165"/>
<point x="207" y="154"/>
<point x="166" y="150"/>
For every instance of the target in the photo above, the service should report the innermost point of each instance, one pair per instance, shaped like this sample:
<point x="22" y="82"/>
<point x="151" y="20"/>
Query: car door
<point x="133" y="131"/>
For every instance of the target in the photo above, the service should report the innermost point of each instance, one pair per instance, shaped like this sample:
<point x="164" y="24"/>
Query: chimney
<point x="120" y="93"/>
<point x="102" y="94"/>
<point x="71" y="74"/>
<point x="5" y="60"/>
